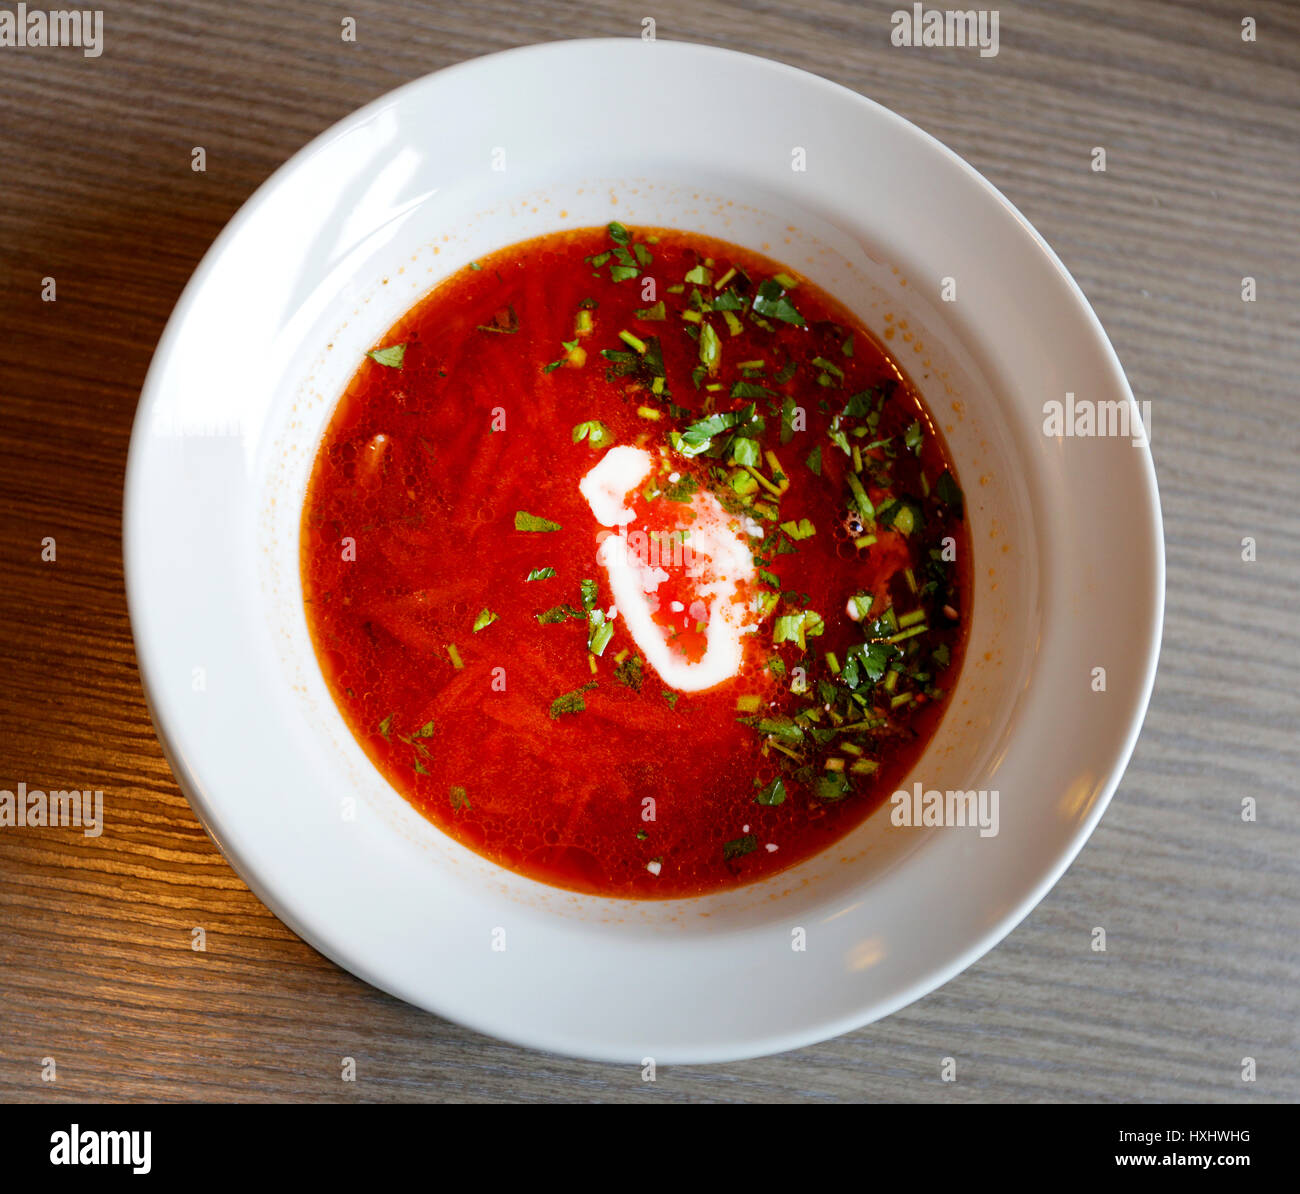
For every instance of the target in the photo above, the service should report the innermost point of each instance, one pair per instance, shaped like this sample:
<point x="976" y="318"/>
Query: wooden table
<point x="1200" y="908"/>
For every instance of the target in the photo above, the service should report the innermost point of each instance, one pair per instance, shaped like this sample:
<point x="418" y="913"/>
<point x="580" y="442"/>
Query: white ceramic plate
<point x="338" y="244"/>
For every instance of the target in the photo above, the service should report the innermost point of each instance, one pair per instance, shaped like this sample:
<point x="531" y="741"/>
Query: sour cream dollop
<point x="717" y="559"/>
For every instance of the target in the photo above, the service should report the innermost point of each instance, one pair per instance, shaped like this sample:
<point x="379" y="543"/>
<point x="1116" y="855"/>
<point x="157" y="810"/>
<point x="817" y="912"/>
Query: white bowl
<point x="340" y="242"/>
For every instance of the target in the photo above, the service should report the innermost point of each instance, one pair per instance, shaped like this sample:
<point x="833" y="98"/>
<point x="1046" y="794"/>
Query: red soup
<point x="636" y="564"/>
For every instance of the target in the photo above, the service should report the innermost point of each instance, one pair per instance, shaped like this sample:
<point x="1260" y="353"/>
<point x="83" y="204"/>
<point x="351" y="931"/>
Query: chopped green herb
<point x="782" y="727"/>
<point x="770" y="300"/>
<point x="571" y="702"/>
<point x="829" y="367"/>
<point x="658" y="311"/>
<point x="541" y="573"/>
<point x="484" y="620"/>
<point x="903" y="514"/>
<point x="629" y="672"/>
<point x="832" y="786"/>
<point x="710" y="348"/>
<point x="454" y="655"/>
<point x="385" y="726"/>
<point x="949" y="493"/>
<point x="392" y="356"/>
<point x="795" y="628"/>
<point x="739" y="847"/>
<point x="697" y="438"/>
<point x="459" y="798"/>
<point x="559" y="613"/>
<point x="773" y="794"/>
<point x="532" y="523"/>
<point x="803" y="529"/>
<point x="599" y="632"/>
<point x="594" y="432"/>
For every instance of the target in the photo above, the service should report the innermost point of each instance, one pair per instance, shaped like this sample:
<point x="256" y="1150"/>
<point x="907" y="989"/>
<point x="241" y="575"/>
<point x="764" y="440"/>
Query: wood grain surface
<point x="1201" y="908"/>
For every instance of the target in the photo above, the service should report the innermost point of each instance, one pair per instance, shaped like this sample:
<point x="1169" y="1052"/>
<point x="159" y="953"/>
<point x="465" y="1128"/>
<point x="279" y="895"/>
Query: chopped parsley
<point x="531" y="522"/>
<point x="794" y="628"/>
<point x="949" y="493"/>
<point x="770" y="300"/>
<point x="541" y="573"/>
<point x="392" y="356"/>
<point x="739" y="847"/>
<point x="484" y="620"/>
<point x="630" y="672"/>
<point x="559" y="613"/>
<point x="571" y="702"/>
<point x="594" y="432"/>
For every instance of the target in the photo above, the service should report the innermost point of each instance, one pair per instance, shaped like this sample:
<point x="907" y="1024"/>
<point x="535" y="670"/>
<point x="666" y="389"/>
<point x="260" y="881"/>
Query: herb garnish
<point x="594" y="432"/>
<point x="739" y="847"/>
<point x="629" y="672"/>
<point x="559" y="613"/>
<point x="770" y="300"/>
<point x="533" y="523"/>
<point x="392" y="356"/>
<point x="571" y="702"/>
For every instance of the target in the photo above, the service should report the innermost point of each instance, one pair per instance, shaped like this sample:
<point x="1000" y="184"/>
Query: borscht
<point x="636" y="564"/>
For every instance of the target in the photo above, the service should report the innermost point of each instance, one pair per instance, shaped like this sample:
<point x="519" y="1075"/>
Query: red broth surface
<point x="445" y="546"/>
